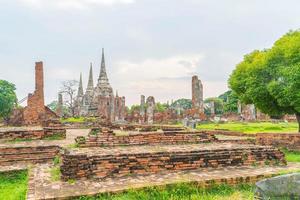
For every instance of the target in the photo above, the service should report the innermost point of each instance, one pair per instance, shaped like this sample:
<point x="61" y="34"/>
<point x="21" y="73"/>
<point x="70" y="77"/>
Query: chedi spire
<point x="80" y="88"/>
<point x="90" y="85"/>
<point x="103" y="76"/>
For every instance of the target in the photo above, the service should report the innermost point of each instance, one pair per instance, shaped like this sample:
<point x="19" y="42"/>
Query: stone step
<point x="122" y="161"/>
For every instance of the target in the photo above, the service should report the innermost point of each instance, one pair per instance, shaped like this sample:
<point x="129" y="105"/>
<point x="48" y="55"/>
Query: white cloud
<point x="165" y="79"/>
<point x="172" y="67"/>
<point x="73" y="4"/>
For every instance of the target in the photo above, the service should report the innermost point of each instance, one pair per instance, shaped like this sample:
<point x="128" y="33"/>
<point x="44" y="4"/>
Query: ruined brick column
<point x="142" y="110"/>
<point x="150" y="109"/>
<point x="197" y="94"/>
<point x="35" y="109"/>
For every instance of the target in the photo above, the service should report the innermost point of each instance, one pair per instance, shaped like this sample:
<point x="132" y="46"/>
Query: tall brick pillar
<point x="39" y="82"/>
<point x="35" y="110"/>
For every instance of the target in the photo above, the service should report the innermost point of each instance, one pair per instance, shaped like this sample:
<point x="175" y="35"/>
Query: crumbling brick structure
<point x="35" y="113"/>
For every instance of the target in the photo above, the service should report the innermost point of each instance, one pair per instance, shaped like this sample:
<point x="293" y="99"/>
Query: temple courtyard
<point x="111" y="162"/>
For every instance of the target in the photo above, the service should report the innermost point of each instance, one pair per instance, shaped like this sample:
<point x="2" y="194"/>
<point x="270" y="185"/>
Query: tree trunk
<point x="298" y="119"/>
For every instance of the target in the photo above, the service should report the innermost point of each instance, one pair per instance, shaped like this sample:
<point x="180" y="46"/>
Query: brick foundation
<point x="102" y="163"/>
<point x="27" y="133"/>
<point x="290" y="141"/>
<point x="26" y="155"/>
<point x="150" y="138"/>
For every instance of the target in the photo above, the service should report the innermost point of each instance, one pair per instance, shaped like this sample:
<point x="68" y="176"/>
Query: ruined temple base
<point x="41" y="186"/>
<point x="101" y="163"/>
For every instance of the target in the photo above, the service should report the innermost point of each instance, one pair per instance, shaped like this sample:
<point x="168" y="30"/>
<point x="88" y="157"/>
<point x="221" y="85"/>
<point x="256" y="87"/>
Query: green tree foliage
<point x="8" y="98"/>
<point x="161" y="107"/>
<point x="133" y="108"/>
<point x="182" y="103"/>
<point x="270" y="79"/>
<point x="53" y="106"/>
<point x="230" y="100"/>
<point x="219" y="105"/>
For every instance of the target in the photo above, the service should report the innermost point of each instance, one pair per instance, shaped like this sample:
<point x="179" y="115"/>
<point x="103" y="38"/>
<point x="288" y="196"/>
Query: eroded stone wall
<point x="25" y="155"/>
<point x="150" y="138"/>
<point x="94" y="164"/>
<point x="285" y="140"/>
<point x="23" y="133"/>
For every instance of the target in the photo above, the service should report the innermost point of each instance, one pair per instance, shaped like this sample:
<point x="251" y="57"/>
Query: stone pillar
<point x="197" y="94"/>
<point x="150" y="109"/>
<point x="212" y="108"/>
<point x="59" y="107"/>
<point x="239" y="107"/>
<point x="142" y="110"/>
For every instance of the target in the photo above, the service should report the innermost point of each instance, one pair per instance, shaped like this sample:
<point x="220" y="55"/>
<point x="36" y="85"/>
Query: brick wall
<point x="94" y="165"/>
<point x="290" y="141"/>
<point x="12" y="134"/>
<point x="150" y="138"/>
<point x="40" y="154"/>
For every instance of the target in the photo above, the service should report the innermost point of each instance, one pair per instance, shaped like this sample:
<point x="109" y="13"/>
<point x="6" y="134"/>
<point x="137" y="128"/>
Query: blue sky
<point x="152" y="47"/>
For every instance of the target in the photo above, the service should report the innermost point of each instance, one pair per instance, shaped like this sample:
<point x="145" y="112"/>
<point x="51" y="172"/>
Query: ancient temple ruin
<point x="100" y="101"/>
<point x="35" y="113"/>
<point x="197" y="94"/>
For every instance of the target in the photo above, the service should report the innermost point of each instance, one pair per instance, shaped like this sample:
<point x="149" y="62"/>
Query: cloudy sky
<point x="152" y="47"/>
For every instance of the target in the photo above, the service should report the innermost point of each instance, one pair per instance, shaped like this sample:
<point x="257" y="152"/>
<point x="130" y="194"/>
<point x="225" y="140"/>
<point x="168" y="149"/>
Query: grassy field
<point x="253" y="127"/>
<point x="78" y="119"/>
<point x="182" y="192"/>
<point x="13" y="185"/>
<point x="292" y="156"/>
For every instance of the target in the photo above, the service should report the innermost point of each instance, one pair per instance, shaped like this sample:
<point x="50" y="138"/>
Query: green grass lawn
<point x="183" y="192"/>
<point x="253" y="127"/>
<point x="13" y="185"/>
<point x="78" y="119"/>
<point x="292" y="156"/>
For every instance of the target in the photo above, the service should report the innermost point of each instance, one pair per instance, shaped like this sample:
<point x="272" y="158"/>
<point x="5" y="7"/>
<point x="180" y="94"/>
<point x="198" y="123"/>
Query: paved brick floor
<point x="160" y="148"/>
<point x="70" y="139"/>
<point x="41" y="186"/>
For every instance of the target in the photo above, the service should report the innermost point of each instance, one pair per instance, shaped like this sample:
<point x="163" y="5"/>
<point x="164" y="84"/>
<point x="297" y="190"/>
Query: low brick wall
<point x="31" y="133"/>
<point x="26" y="155"/>
<point x="150" y="138"/>
<point x="290" y="141"/>
<point x="101" y="163"/>
<point x="229" y="133"/>
<point x="50" y="131"/>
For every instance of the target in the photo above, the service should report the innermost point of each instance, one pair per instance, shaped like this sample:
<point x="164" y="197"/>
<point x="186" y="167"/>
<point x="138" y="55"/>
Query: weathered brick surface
<point x="149" y="138"/>
<point x="102" y="163"/>
<point x="35" y="104"/>
<point x="27" y="133"/>
<point x="290" y="141"/>
<point x="39" y="154"/>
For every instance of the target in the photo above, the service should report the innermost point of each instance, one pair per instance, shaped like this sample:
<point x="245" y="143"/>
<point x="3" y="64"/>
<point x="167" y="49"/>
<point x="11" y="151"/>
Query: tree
<point x="230" y="100"/>
<point x="218" y="103"/>
<point x="134" y="108"/>
<point x="182" y="103"/>
<point x="270" y="79"/>
<point x="161" y="107"/>
<point x="69" y="89"/>
<point x="8" y="98"/>
<point x="53" y="107"/>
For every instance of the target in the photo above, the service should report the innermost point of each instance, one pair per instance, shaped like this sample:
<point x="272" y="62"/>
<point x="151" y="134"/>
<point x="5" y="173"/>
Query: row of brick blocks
<point x="289" y="141"/>
<point x="11" y="134"/>
<point x="25" y="155"/>
<point x="91" y="165"/>
<point x="152" y="138"/>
